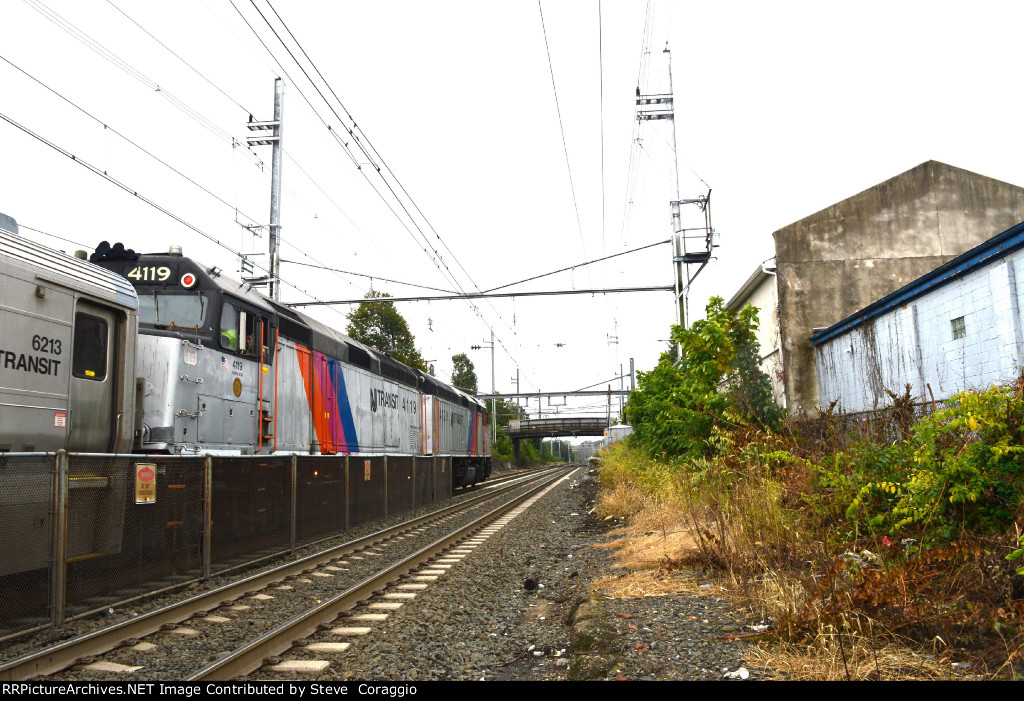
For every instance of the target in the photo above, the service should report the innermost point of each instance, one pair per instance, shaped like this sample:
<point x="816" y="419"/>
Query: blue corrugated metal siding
<point x="1010" y="240"/>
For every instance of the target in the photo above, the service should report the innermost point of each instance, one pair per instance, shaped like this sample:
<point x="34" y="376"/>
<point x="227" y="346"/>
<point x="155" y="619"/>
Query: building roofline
<point x="996" y="247"/>
<point x="752" y="282"/>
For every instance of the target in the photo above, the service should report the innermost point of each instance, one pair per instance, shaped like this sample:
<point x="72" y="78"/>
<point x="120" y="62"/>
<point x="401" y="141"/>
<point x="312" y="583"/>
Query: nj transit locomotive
<point x="218" y="369"/>
<point x="227" y="370"/>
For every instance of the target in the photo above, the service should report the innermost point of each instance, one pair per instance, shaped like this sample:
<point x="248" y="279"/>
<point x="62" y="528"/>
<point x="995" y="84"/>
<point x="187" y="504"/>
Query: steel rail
<point x="251" y="656"/>
<point x="62" y="655"/>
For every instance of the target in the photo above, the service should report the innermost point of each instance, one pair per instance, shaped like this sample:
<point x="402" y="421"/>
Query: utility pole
<point x="274" y="140"/>
<point x="662" y="106"/>
<point x="609" y="406"/>
<point x="622" y="387"/>
<point x="516" y="380"/>
<point x="493" y="418"/>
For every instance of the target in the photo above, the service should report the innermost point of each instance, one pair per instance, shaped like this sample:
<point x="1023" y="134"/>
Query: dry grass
<point x="856" y="659"/>
<point x="642" y="583"/>
<point x="651" y="549"/>
<point x="682" y="527"/>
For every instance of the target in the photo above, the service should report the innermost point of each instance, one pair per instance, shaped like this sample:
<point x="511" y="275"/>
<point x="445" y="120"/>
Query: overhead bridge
<point x="552" y="428"/>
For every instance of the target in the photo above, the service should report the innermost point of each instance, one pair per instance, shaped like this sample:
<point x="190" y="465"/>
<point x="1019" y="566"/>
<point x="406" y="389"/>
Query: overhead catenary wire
<point x="182" y="60"/>
<point x="53" y="236"/>
<point x="351" y="130"/>
<point x="366" y="143"/>
<point x="482" y="295"/>
<point x="372" y="277"/>
<point x="118" y="134"/>
<point x="133" y="72"/>
<point x="580" y="265"/>
<point x="123" y="186"/>
<point x="148" y="153"/>
<point x="234" y="101"/>
<point x="561" y="128"/>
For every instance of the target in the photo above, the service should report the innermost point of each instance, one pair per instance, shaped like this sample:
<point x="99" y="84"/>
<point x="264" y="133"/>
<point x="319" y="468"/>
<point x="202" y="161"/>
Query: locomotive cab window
<point x="250" y="346"/>
<point x="167" y="310"/>
<point x="243" y="332"/>
<point x="229" y="319"/>
<point x="89" y="357"/>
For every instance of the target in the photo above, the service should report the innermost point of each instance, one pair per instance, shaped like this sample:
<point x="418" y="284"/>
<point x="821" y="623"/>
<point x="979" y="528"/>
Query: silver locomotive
<point x="228" y="371"/>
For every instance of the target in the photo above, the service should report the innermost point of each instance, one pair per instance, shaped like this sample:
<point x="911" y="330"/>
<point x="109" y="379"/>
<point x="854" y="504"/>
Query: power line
<point x="580" y="265"/>
<point x="483" y="295"/>
<point x="115" y="132"/>
<point x="351" y="130"/>
<point x="371" y="277"/>
<point x="294" y="161"/>
<point x="187" y="64"/>
<point x="46" y="233"/>
<point x="600" y="60"/>
<point x="128" y="68"/>
<point x="380" y="158"/>
<point x="561" y="128"/>
<point x="135" y="193"/>
<point x="156" y="158"/>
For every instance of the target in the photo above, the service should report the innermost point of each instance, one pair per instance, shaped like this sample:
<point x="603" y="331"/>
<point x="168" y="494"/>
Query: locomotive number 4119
<point x="150" y="273"/>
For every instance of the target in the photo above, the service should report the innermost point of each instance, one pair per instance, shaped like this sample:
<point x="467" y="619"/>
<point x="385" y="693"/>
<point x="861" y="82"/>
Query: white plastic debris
<point x="854" y="558"/>
<point x="538" y="653"/>
<point x="705" y="586"/>
<point x="759" y="628"/>
<point x="741" y="673"/>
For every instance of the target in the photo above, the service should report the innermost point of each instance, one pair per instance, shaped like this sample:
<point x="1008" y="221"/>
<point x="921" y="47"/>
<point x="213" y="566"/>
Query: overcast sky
<point x="783" y="108"/>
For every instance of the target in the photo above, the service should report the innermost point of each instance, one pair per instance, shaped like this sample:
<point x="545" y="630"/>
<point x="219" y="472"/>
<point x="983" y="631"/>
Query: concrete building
<point x="959" y="327"/>
<point x="841" y="259"/>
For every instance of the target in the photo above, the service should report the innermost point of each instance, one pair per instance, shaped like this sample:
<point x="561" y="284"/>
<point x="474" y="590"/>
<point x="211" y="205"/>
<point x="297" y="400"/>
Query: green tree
<point x="505" y="411"/>
<point x="717" y="385"/>
<point x="464" y="374"/>
<point x="380" y="326"/>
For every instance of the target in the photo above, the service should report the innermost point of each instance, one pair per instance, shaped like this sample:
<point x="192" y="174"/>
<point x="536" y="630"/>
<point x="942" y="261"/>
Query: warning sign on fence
<point x="145" y="483"/>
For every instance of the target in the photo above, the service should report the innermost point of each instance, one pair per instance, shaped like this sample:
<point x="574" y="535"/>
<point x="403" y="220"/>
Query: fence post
<point x="414" y="460"/>
<point x="295" y="469"/>
<point x="207" y="515"/>
<point x="348" y="495"/>
<point x="385" y="486"/>
<point x="58" y="555"/>
<point x="433" y="470"/>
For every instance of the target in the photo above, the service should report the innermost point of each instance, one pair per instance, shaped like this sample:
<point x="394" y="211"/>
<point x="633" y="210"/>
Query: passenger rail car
<point x="69" y="331"/>
<point x="229" y="371"/>
<point x="67" y="349"/>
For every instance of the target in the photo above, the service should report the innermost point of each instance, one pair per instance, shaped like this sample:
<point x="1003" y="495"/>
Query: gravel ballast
<point x="506" y="612"/>
<point x="518" y="606"/>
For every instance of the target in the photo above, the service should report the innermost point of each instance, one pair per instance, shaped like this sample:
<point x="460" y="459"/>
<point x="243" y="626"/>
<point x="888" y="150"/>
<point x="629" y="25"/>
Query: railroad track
<point x="341" y="562"/>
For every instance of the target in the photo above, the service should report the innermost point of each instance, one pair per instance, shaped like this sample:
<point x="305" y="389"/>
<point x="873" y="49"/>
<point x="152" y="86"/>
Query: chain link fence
<point x="84" y="533"/>
<point x="27" y="485"/>
<point x="122" y="544"/>
<point x="321" y="504"/>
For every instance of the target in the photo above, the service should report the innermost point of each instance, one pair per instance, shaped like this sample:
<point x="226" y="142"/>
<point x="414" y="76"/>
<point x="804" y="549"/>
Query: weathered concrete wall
<point x="842" y="258"/>
<point x="916" y="344"/>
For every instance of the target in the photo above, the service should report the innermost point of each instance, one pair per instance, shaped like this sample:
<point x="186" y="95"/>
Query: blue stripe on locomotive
<point x="348" y="424"/>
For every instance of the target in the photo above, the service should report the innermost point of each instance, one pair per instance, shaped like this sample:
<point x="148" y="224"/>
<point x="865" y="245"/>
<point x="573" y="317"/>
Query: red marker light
<point x="188" y="280"/>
